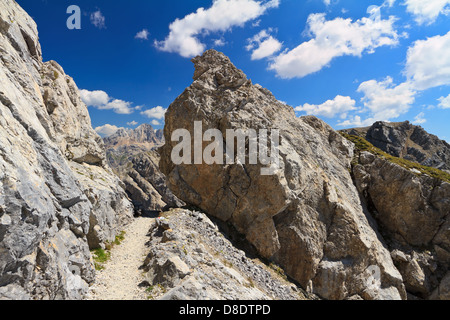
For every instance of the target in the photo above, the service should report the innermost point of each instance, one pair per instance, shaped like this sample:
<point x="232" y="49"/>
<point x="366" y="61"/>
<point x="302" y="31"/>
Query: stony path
<point x="122" y="275"/>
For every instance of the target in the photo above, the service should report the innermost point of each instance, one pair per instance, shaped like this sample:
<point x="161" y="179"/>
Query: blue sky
<point x="348" y="62"/>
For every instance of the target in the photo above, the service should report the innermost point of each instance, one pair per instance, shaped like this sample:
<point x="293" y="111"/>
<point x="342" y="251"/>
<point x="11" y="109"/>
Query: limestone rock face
<point x="147" y="186"/>
<point x="407" y="141"/>
<point x="57" y="196"/>
<point x="308" y="216"/>
<point x="133" y="156"/>
<point x="74" y="135"/>
<point x="413" y="213"/>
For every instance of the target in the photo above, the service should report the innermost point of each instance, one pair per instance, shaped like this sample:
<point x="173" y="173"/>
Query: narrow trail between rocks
<point x="121" y="276"/>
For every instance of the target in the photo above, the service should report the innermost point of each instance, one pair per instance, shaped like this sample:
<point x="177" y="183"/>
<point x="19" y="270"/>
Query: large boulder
<point x="307" y="215"/>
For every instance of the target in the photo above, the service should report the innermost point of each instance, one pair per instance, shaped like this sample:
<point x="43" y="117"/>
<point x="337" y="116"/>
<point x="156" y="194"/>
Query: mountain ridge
<point x="144" y="136"/>
<point x="405" y="140"/>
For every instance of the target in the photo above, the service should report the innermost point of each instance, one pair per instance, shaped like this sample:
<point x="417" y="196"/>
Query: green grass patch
<point x="101" y="256"/>
<point x="119" y="238"/>
<point x="98" y="266"/>
<point x="362" y="144"/>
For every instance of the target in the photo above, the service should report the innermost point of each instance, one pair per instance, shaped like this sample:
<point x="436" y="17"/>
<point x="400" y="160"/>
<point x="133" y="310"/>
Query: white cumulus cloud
<point x="222" y="16"/>
<point x="389" y="3"/>
<point x="444" y="102"/>
<point x="143" y="35"/>
<point x="263" y="45"/>
<point x="107" y="130"/>
<point x="357" y="121"/>
<point x="385" y="100"/>
<point x="102" y="101"/>
<point x="118" y="106"/>
<point x="428" y="62"/>
<point x="332" y="39"/>
<point x="427" y="11"/>
<point x="331" y="108"/>
<point x="219" y="42"/>
<point x="132" y="124"/>
<point x="155" y="113"/>
<point x="94" y="98"/>
<point x="427" y="66"/>
<point x="98" y="19"/>
<point x="420" y="119"/>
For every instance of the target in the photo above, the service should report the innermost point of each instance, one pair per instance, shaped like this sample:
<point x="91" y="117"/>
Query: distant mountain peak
<point x="144" y="135"/>
<point x="408" y="141"/>
<point x="125" y="143"/>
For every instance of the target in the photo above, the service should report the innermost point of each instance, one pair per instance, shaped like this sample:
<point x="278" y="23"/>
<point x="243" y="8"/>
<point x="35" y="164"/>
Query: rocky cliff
<point x="134" y="157"/>
<point x="308" y="216"/>
<point x="405" y="140"/>
<point x="413" y="212"/>
<point x="411" y="204"/>
<point x="58" y="197"/>
<point x="146" y="185"/>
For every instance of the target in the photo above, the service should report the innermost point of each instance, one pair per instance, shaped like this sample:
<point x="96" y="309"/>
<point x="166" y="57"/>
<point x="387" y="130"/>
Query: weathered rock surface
<point x="190" y="259"/>
<point x="57" y="196"/>
<point x="308" y="217"/>
<point x="133" y="156"/>
<point x="145" y="181"/>
<point x="405" y="140"/>
<point x="413" y="213"/>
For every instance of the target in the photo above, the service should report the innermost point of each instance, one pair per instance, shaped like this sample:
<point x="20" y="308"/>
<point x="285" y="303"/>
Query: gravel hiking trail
<point x="121" y="277"/>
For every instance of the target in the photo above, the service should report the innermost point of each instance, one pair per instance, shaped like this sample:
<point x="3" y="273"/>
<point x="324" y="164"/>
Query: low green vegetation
<point x="278" y="270"/>
<point x="117" y="241"/>
<point x="101" y="256"/>
<point x="149" y="291"/>
<point x="364" y="145"/>
<point x="119" y="238"/>
<point x="154" y="291"/>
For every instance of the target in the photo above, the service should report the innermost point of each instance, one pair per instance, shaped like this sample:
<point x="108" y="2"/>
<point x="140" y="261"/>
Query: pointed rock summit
<point x="307" y="217"/>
